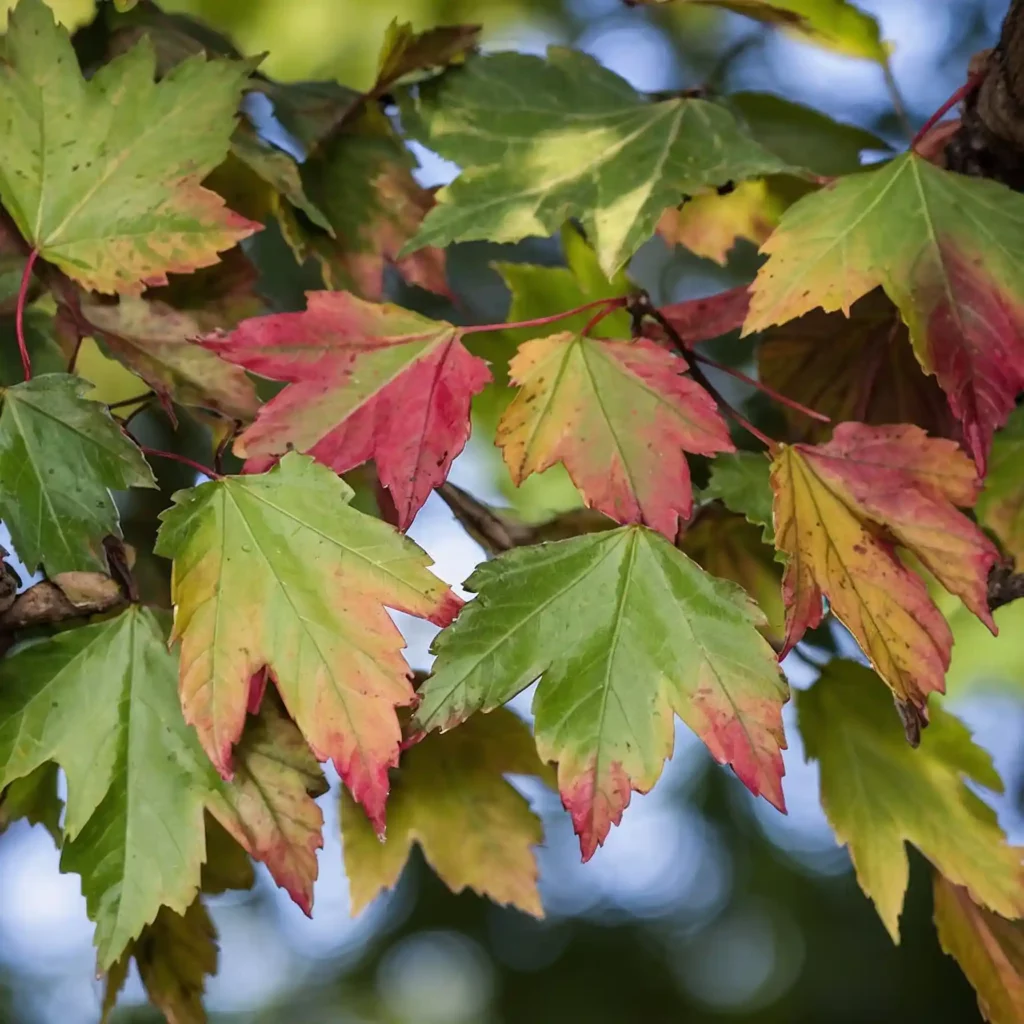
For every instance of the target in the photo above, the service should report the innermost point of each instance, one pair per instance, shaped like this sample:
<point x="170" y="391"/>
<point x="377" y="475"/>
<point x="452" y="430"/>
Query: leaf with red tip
<point x="102" y="176"/>
<point x="860" y="367"/>
<point x="452" y="799"/>
<point x="277" y="570"/>
<point x="269" y="806"/>
<point x="367" y="382"/>
<point x="988" y="948"/>
<point x="880" y="793"/>
<point x="624" y="631"/>
<point x="841" y="510"/>
<point x="948" y="251"/>
<point x="619" y="416"/>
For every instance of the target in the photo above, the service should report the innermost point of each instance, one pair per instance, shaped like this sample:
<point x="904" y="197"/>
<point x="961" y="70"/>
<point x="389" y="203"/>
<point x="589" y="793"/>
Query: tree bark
<point x="990" y="140"/>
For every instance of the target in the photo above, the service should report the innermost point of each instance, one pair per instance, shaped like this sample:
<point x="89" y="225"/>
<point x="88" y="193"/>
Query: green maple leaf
<point x="451" y="797"/>
<point x="100" y="701"/>
<point x="742" y="482"/>
<point x="1001" y="504"/>
<point x="834" y="24"/>
<point x="102" y="176"/>
<point x="276" y="570"/>
<point x="59" y="456"/>
<point x="541" y="141"/>
<point x="623" y="630"/>
<point x="878" y="792"/>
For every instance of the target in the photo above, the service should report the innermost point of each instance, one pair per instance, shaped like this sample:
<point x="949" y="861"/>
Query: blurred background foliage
<point x="705" y="905"/>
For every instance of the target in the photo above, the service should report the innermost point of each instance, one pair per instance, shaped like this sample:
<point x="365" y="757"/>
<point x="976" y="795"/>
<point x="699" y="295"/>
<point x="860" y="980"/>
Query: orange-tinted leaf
<point x="367" y="382"/>
<point x="269" y="807"/>
<point x="947" y="250"/>
<point x="709" y="225"/>
<point x="619" y="416"/>
<point x="860" y="367"/>
<point x="102" y="175"/>
<point x="989" y="949"/>
<point x="842" y="508"/>
<point x="276" y="570"/>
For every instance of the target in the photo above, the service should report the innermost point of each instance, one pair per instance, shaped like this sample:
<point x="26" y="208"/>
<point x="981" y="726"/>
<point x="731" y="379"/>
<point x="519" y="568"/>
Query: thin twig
<point x="699" y="376"/>
<point x="19" y="313"/>
<point x="600" y="315"/>
<point x="218" y="455"/>
<point x="770" y="392"/>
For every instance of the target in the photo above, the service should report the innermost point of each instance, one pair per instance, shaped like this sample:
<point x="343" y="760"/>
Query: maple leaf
<point x="99" y="700"/>
<point x="988" y="948"/>
<point x="406" y="53"/>
<point x="730" y="547"/>
<point x="174" y="955"/>
<point x="878" y="792"/>
<point x="742" y="482"/>
<point x="696" y="320"/>
<point x="947" y="250"/>
<point x="859" y="367"/>
<point x="269" y="808"/>
<point x="451" y="798"/>
<point x="279" y="170"/>
<point x="1001" y="503"/>
<point x="623" y="630"/>
<point x="710" y="225"/>
<point x="840" y="511"/>
<point x="363" y="181"/>
<point x="157" y="341"/>
<point x="277" y="571"/>
<point x="803" y="136"/>
<point x="102" y="176"/>
<point x="834" y="24"/>
<point x="366" y="382"/>
<point x="618" y="416"/>
<point x="33" y="798"/>
<point x="59" y="455"/>
<point x="540" y="141"/>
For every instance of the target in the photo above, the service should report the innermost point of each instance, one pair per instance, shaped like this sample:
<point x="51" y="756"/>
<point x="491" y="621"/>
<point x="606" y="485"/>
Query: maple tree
<point x="186" y="681"/>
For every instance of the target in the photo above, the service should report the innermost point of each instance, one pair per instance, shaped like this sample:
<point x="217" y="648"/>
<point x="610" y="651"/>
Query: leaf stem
<point x="541" y="321"/>
<point x="183" y="459"/>
<point x="643" y="304"/>
<point x="965" y="90"/>
<point x="598" y="317"/>
<point x="19" y="313"/>
<point x="770" y="392"/>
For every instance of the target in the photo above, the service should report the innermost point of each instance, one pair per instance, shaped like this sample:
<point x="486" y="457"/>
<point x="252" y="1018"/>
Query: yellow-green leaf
<point x="879" y="793"/>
